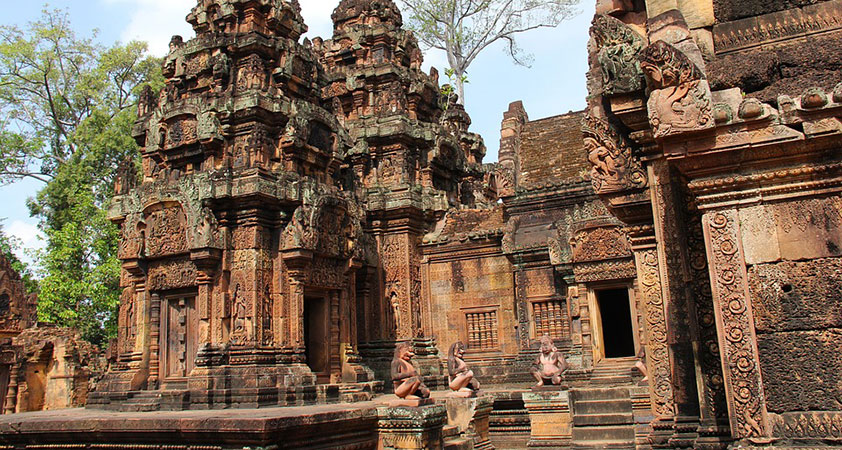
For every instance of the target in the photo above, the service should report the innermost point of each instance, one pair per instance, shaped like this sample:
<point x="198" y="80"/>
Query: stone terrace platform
<point x="337" y="426"/>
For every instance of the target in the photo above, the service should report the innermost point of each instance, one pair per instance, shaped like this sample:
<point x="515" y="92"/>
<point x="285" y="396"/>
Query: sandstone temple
<point x="305" y="207"/>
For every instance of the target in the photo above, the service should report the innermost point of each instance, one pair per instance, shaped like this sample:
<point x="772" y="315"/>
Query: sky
<point x="553" y="84"/>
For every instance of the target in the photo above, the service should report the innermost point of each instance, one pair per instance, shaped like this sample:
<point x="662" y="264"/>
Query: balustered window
<point x="482" y="330"/>
<point x="548" y="318"/>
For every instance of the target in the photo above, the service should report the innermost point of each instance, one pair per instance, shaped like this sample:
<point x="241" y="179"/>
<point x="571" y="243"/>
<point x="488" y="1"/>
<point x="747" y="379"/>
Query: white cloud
<point x="29" y="236"/>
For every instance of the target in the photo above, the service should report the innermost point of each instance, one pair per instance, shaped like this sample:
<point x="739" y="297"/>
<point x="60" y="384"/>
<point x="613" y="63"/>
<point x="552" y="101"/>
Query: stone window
<point x="548" y="318"/>
<point x="482" y="330"/>
<point x="5" y="301"/>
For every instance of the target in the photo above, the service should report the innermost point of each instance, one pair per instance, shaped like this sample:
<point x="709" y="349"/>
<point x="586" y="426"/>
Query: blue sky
<point x="554" y="84"/>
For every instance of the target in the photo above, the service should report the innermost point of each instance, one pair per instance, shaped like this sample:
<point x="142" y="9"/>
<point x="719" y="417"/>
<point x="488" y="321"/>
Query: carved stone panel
<point x="735" y="324"/>
<point x="165" y="231"/>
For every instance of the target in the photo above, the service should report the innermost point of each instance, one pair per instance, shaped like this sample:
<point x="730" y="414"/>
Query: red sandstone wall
<point x="551" y="150"/>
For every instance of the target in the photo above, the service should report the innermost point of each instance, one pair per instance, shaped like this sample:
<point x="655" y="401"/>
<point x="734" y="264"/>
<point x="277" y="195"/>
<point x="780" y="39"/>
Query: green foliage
<point x="464" y="28"/>
<point x="8" y="246"/>
<point x="67" y="105"/>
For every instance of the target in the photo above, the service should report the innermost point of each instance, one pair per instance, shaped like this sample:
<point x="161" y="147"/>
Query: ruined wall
<point x="550" y="150"/>
<point x="769" y="48"/>
<point x="795" y="280"/>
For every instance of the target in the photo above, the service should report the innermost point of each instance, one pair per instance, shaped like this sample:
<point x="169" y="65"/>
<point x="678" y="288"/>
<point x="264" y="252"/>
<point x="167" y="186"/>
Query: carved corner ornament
<point x="618" y="48"/>
<point x="613" y="168"/>
<point x="680" y="99"/>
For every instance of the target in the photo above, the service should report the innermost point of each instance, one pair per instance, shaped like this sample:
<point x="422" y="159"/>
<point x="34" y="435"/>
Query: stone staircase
<point x="602" y="418"/>
<point x="141" y="401"/>
<point x="454" y="441"/>
<point x="613" y="372"/>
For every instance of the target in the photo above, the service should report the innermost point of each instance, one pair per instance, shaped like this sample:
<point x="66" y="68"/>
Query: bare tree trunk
<point x="460" y="87"/>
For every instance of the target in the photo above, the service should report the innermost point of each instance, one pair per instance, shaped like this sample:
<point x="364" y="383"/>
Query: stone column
<point x="296" y="311"/>
<point x="681" y="327"/>
<point x="408" y="428"/>
<point x="551" y="422"/>
<point x="735" y="325"/>
<point x="657" y="347"/>
<point x="154" y="342"/>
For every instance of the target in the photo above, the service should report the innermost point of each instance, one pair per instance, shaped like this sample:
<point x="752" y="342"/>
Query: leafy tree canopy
<point x="464" y="28"/>
<point x="67" y="104"/>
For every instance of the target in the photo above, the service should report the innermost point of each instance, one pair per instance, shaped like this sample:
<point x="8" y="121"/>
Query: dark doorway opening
<point x="617" y="333"/>
<point x="316" y="336"/>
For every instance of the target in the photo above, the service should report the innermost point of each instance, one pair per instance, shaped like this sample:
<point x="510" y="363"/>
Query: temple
<point x="305" y="207"/>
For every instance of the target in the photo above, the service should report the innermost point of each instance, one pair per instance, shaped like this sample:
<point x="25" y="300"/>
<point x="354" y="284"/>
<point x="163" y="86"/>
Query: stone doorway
<point x="614" y="324"/>
<point x="316" y="335"/>
<point x="179" y="330"/>
<point x="5" y="370"/>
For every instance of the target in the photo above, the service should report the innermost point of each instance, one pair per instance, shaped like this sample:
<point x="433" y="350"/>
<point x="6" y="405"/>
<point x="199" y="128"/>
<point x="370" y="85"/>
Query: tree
<point x="464" y="28"/>
<point x="8" y="246"/>
<point x="67" y="105"/>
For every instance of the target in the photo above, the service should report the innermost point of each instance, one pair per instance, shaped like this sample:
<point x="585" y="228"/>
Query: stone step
<point x="458" y="443"/>
<point x="601" y="406"/>
<point x="621" y="444"/>
<point x="449" y="431"/>
<point x="600" y="394"/>
<point x="603" y="419"/>
<point x="603" y="433"/>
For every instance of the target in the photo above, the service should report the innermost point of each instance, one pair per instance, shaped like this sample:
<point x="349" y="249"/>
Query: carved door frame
<point x="597" y="338"/>
<point x="190" y="339"/>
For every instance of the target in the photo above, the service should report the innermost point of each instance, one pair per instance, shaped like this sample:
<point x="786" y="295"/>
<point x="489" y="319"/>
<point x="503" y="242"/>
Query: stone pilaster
<point x="735" y="325"/>
<point x="408" y="428"/>
<point x="470" y="416"/>
<point x="551" y="422"/>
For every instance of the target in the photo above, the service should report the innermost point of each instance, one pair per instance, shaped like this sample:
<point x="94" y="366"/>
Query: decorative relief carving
<point x="618" y="49"/>
<point x="241" y="319"/>
<point x="605" y="271"/>
<point x="165" y="233"/>
<point x="737" y="340"/>
<point x="207" y="232"/>
<point x="132" y="237"/>
<point x="251" y="73"/>
<point x="181" y="132"/>
<point x="821" y="425"/>
<point x="171" y="274"/>
<point x="597" y="244"/>
<point x="714" y="383"/>
<point x="657" y="347"/>
<point x="613" y="167"/>
<point x="680" y="100"/>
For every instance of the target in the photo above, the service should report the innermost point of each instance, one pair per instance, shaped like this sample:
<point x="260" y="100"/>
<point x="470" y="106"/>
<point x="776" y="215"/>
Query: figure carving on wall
<point x="619" y="47"/>
<point x="239" y="310"/>
<point x="550" y="364"/>
<point x="613" y="168"/>
<point x="395" y="309"/>
<point x="268" y="306"/>
<point x="461" y="376"/>
<point x="407" y="381"/>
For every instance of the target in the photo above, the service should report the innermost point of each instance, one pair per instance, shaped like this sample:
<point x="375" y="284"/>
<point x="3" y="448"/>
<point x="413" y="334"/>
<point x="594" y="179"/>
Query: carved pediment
<point x="613" y="166"/>
<point x="618" y="50"/>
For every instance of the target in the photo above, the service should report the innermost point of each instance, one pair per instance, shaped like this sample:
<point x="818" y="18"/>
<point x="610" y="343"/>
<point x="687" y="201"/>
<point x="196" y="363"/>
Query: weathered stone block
<point x="549" y="417"/>
<point x="802" y="370"/>
<point x="796" y="295"/>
